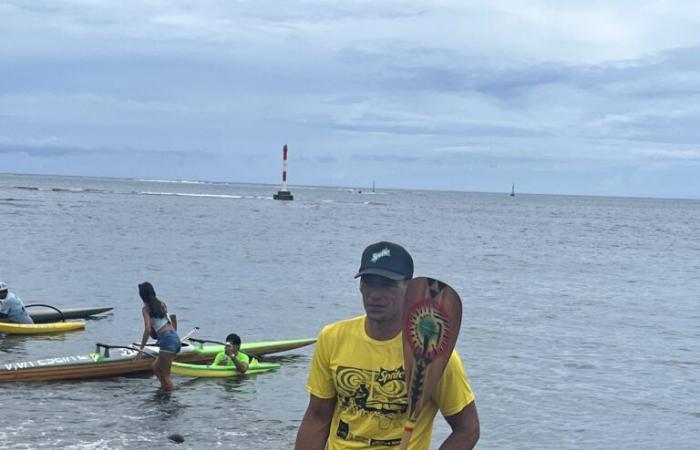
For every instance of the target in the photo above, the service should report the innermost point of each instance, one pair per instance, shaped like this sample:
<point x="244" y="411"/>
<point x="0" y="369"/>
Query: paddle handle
<point x="189" y="334"/>
<point x="407" y="432"/>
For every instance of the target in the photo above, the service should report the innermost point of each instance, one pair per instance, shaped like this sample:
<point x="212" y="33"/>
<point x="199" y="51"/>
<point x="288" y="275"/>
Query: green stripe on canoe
<point x="201" y="370"/>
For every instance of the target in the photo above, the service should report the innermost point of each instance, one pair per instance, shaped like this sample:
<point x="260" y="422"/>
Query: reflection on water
<point x="11" y="344"/>
<point x="15" y="343"/>
<point x="163" y="406"/>
<point x="232" y="385"/>
<point x="283" y="359"/>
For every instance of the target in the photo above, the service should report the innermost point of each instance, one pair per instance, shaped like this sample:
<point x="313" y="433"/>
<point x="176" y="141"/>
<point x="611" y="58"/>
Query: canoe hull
<point x="84" y="367"/>
<point x="268" y="347"/>
<point x="43" y="328"/>
<point x="204" y="371"/>
<point x="41" y="314"/>
<point x="121" y="361"/>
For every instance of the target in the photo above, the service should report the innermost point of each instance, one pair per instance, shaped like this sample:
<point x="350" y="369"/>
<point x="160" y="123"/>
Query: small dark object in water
<point x="176" y="437"/>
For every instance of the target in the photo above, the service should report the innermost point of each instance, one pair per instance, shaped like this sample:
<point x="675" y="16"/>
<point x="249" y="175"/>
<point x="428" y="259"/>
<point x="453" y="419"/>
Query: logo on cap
<point x="379" y="255"/>
<point x="387" y="260"/>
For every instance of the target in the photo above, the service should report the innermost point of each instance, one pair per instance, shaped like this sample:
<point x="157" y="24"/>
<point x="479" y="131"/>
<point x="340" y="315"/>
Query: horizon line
<point x="196" y="180"/>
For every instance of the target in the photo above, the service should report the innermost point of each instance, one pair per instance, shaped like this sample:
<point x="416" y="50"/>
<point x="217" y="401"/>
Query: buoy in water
<point x="177" y="438"/>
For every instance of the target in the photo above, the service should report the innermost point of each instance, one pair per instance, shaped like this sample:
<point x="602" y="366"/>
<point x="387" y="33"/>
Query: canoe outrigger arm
<point x="106" y="348"/>
<point x="135" y="348"/>
<point x="60" y="313"/>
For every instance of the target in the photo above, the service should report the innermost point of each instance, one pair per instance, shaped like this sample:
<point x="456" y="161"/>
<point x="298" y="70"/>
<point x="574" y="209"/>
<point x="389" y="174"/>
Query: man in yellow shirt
<point x="357" y="382"/>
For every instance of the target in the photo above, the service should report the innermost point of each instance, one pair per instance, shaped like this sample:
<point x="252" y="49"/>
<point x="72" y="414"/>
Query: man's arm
<point x="5" y="309"/>
<point x="315" y="426"/>
<point x="241" y="366"/>
<point x="465" y="429"/>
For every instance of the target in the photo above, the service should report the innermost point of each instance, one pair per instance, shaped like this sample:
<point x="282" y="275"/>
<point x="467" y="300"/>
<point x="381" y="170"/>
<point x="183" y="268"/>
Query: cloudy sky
<point x="575" y="97"/>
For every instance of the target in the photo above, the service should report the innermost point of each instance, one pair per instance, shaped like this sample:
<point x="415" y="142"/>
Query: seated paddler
<point x="11" y="307"/>
<point x="232" y="354"/>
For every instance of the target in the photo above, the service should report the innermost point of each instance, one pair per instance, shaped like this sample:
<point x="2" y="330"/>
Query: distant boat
<point x="359" y="190"/>
<point x="512" y="191"/>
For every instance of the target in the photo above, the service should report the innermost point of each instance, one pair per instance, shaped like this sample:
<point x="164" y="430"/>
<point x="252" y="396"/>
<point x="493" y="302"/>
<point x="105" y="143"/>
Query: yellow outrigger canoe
<point x="40" y="328"/>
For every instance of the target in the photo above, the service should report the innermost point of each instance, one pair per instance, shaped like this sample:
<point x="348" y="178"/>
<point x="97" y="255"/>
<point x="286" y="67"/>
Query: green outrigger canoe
<point x="207" y="371"/>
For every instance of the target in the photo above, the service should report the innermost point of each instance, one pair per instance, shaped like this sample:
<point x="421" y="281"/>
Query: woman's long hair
<point x="148" y="295"/>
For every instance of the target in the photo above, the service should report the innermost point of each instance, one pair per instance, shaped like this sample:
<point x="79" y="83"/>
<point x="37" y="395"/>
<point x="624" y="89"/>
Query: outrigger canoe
<point x="206" y="371"/>
<point x="44" y="314"/>
<point x="108" y="361"/>
<point x="42" y="328"/>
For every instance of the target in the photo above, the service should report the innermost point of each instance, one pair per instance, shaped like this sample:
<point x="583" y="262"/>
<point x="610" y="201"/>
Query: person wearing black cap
<point x="357" y="383"/>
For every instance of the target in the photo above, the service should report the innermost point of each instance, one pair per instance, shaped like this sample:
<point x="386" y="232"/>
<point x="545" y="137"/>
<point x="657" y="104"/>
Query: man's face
<point x="3" y="294"/>
<point x="382" y="297"/>
<point x="232" y="349"/>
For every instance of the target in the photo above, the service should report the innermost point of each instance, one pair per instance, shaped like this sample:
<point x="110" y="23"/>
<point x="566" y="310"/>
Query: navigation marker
<point x="283" y="193"/>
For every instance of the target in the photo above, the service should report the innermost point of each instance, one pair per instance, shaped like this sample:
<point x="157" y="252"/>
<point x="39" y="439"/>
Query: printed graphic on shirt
<point x="380" y="395"/>
<point x="345" y="433"/>
<point x="370" y="392"/>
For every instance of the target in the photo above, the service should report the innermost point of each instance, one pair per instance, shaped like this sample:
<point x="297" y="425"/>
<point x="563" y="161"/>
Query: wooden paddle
<point x="432" y="317"/>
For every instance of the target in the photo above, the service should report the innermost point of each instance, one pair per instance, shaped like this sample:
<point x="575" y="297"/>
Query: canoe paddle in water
<point x="432" y="316"/>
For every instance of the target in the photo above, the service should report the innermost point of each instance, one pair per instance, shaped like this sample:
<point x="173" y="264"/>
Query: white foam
<point x="188" y="194"/>
<point x="173" y="181"/>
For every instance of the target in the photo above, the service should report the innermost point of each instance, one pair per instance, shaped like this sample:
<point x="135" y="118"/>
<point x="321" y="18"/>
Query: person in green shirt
<point x="232" y="354"/>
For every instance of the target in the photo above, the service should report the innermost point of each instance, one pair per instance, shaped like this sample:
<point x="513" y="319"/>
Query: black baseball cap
<point x="386" y="259"/>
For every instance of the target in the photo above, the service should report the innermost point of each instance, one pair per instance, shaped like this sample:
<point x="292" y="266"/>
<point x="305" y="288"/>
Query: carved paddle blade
<point x="432" y="317"/>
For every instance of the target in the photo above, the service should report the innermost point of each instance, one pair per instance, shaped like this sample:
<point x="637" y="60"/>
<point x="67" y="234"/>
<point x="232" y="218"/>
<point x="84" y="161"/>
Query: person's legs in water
<point x="170" y="345"/>
<point x="162" y="370"/>
<point x="156" y="371"/>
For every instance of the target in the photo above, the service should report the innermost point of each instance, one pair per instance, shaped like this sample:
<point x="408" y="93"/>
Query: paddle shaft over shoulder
<point x="432" y="317"/>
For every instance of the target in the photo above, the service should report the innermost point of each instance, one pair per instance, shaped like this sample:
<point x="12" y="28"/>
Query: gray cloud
<point x="498" y="86"/>
<point x="59" y="151"/>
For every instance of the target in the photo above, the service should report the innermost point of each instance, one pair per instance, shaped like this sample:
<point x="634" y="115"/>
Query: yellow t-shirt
<point x="368" y="379"/>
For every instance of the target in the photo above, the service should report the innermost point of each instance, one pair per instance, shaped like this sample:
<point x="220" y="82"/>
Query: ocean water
<point x="581" y="321"/>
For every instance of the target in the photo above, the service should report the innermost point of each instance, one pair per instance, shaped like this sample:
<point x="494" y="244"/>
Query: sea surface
<point x="581" y="324"/>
